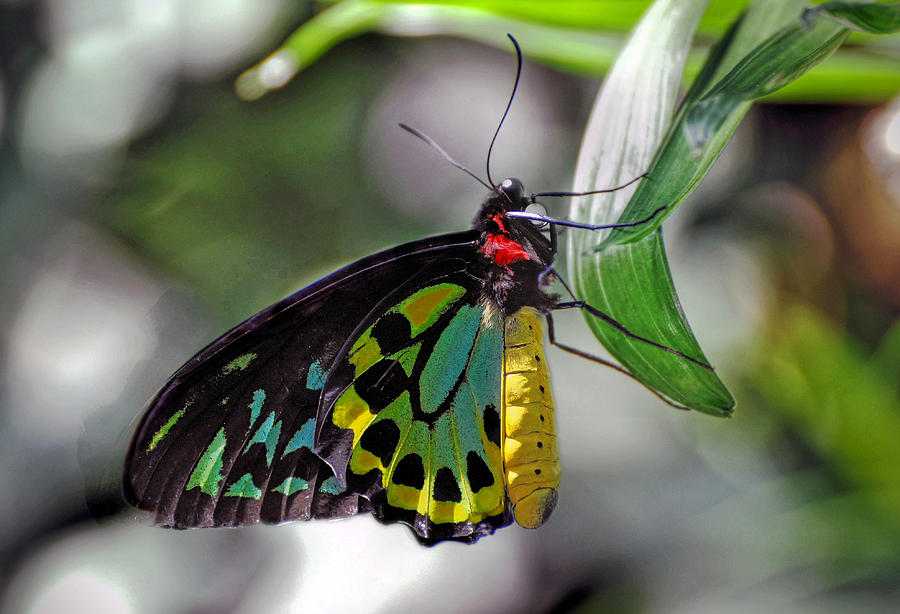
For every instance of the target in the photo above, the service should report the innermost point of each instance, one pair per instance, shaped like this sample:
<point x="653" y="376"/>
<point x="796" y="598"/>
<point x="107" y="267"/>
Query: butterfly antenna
<point x="430" y="141"/>
<point x="508" y="104"/>
<point x="534" y="197"/>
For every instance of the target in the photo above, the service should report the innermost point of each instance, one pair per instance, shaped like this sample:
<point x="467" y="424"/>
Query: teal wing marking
<point x="207" y="474"/>
<point x="259" y="397"/>
<point x="331" y="486"/>
<point x="244" y="487"/>
<point x="303" y="438"/>
<point x="448" y="358"/>
<point x="315" y="378"/>
<point x="268" y="434"/>
<point x="292" y="485"/>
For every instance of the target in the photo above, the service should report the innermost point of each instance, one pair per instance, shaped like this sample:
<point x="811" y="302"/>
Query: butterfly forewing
<point x="230" y="439"/>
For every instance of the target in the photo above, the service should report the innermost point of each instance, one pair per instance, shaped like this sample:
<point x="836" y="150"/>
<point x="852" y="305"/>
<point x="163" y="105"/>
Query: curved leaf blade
<point x="637" y="289"/>
<point x="708" y="119"/>
<point x="632" y="282"/>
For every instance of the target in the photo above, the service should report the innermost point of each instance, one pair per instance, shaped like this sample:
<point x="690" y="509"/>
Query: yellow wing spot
<point x="418" y="309"/>
<point x="488" y="501"/>
<point x="404" y="497"/>
<point x="423" y="307"/>
<point x="448" y="511"/>
<point x="362" y="461"/>
<point x="365" y="352"/>
<point x="351" y="412"/>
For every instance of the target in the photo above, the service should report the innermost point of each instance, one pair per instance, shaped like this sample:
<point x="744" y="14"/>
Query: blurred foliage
<point x="843" y="403"/>
<point x="577" y="36"/>
<point x="233" y="196"/>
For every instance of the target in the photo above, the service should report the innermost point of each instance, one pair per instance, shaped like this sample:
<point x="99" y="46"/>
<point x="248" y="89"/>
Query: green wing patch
<point x="422" y="410"/>
<point x="165" y="428"/>
<point x="244" y="487"/>
<point x="267" y="434"/>
<point x="208" y="472"/>
<point x="291" y="485"/>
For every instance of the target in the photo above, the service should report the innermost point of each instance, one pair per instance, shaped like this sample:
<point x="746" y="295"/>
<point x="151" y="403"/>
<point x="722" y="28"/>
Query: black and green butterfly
<point x="411" y="384"/>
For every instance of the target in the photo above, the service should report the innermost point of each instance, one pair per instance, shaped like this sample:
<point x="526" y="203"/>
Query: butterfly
<point x="411" y="384"/>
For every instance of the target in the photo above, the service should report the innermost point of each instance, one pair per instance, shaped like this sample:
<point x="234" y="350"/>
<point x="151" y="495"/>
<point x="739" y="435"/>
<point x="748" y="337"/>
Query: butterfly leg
<point x="551" y="333"/>
<point x="549" y="273"/>
<point x="579" y="304"/>
<point x="624" y="330"/>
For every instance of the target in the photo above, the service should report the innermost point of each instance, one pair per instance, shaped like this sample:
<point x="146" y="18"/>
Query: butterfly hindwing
<point x="412" y="416"/>
<point x="230" y="440"/>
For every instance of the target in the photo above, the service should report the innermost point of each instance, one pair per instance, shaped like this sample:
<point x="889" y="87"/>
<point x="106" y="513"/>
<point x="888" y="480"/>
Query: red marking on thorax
<point x="503" y="250"/>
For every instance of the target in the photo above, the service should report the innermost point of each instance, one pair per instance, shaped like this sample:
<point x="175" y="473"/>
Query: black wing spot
<point x="492" y="424"/>
<point x="542" y="417"/>
<point x="381" y="439"/>
<point x="446" y="487"/>
<point x="410" y="471"/>
<point x="540" y="444"/>
<point x="542" y="389"/>
<point x="477" y="471"/>
<point x="537" y="358"/>
<point x="392" y="332"/>
<point x="537" y="472"/>
<point x="381" y="383"/>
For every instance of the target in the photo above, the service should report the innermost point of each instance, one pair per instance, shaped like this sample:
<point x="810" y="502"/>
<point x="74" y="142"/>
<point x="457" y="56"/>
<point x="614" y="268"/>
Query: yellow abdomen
<point x="530" y="456"/>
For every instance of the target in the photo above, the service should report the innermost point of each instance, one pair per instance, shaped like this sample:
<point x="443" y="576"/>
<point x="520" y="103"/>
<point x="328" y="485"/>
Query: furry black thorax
<point x="511" y="286"/>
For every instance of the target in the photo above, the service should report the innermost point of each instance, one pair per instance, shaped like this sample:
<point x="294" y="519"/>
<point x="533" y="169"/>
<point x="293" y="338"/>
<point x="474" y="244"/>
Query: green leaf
<point x="637" y="290"/>
<point x="307" y="44"/>
<point x="710" y="116"/>
<point x="627" y="275"/>
<point x="632" y="282"/>
<point x="775" y="63"/>
<point x="871" y="17"/>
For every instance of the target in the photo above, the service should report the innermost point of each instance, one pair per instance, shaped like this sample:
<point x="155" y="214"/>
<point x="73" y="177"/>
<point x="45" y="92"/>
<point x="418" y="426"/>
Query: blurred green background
<point x="146" y="208"/>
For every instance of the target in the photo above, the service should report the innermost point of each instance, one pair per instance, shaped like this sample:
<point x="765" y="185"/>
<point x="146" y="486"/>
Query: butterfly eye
<point x="513" y="189"/>
<point x="537" y="209"/>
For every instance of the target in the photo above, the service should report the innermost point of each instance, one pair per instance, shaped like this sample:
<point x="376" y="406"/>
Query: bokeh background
<point x="145" y="208"/>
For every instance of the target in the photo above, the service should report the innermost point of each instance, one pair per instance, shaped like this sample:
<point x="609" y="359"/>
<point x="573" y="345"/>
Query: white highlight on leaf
<point x="633" y="111"/>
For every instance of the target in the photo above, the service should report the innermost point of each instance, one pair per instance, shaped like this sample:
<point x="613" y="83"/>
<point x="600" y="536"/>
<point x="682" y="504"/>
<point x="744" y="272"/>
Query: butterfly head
<point x="513" y="192"/>
<point x="507" y="240"/>
<point x="506" y="197"/>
